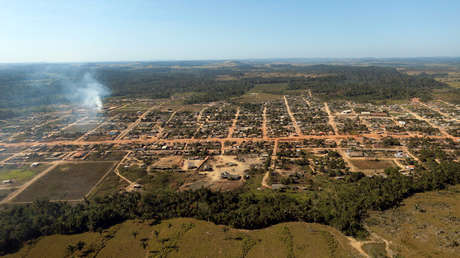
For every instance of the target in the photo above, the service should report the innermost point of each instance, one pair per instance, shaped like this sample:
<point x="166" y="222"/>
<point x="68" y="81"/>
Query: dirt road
<point x="113" y="168"/>
<point x="135" y="123"/>
<point x="190" y="140"/>
<point x="437" y="110"/>
<point x="161" y="129"/>
<point x="117" y="172"/>
<point x="264" y="123"/>
<point x="443" y="132"/>
<point x="358" y="246"/>
<point x="233" y="126"/>
<point x="291" y="115"/>
<point x="307" y="101"/>
<point x="331" y="119"/>
<point x="199" y="122"/>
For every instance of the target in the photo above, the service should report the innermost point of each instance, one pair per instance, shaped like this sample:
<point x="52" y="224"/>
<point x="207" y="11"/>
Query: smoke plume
<point x="87" y="93"/>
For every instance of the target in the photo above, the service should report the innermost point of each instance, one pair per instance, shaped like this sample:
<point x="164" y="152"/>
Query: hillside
<point x="184" y="237"/>
<point x="425" y="225"/>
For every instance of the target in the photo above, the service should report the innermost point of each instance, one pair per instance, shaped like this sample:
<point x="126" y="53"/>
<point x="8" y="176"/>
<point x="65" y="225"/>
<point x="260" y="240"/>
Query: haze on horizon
<point x="84" y="31"/>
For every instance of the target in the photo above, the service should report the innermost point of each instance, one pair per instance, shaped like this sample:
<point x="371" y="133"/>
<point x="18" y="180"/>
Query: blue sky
<point x="80" y="31"/>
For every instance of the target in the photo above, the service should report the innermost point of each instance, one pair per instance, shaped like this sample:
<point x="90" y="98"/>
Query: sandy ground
<point x="221" y="164"/>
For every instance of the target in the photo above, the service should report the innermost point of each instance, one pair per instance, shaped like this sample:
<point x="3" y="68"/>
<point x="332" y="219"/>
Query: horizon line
<point x="231" y="59"/>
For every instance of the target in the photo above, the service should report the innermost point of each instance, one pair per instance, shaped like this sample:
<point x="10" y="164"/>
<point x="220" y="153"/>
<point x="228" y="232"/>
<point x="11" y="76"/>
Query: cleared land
<point x="263" y="92"/>
<point x="192" y="238"/>
<point x="66" y="182"/>
<point x="425" y="225"/>
<point x="372" y="164"/>
<point x="452" y="78"/>
<point x="257" y="97"/>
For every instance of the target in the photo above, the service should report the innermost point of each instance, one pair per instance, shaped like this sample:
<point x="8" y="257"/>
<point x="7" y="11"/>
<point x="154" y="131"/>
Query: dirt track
<point x="294" y="122"/>
<point x="155" y="140"/>
<point x="436" y="110"/>
<point x="235" y="120"/>
<point x="331" y="119"/>
<point x="264" y="123"/>
<point x="443" y="132"/>
<point x="132" y="125"/>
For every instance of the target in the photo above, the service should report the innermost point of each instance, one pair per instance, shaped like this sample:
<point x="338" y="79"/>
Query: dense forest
<point x="366" y="83"/>
<point x="163" y="83"/>
<point x="344" y="207"/>
<point x="35" y="86"/>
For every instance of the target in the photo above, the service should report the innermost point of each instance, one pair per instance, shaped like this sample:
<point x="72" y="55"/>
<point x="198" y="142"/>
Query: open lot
<point x="66" y="182"/>
<point x="372" y="164"/>
<point x="257" y="97"/>
<point x="170" y="162"/>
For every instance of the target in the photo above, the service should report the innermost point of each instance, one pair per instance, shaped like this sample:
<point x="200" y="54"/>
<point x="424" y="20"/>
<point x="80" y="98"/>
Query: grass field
<point x="139" y="106"/>
<point x="133" y="173"/>
<point x="256" y="97"/>
<point x="16" y="174"/>
<point x="261" y="93"/>
<point x="20" y="173"/>
<point x="253" y="183"/>
<point x="105" y="156"/>
<point x="66" y="182"/>
<point x="110" y="185"/>
<point x="425" y="225"/>
<point x="193" y="238"/>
